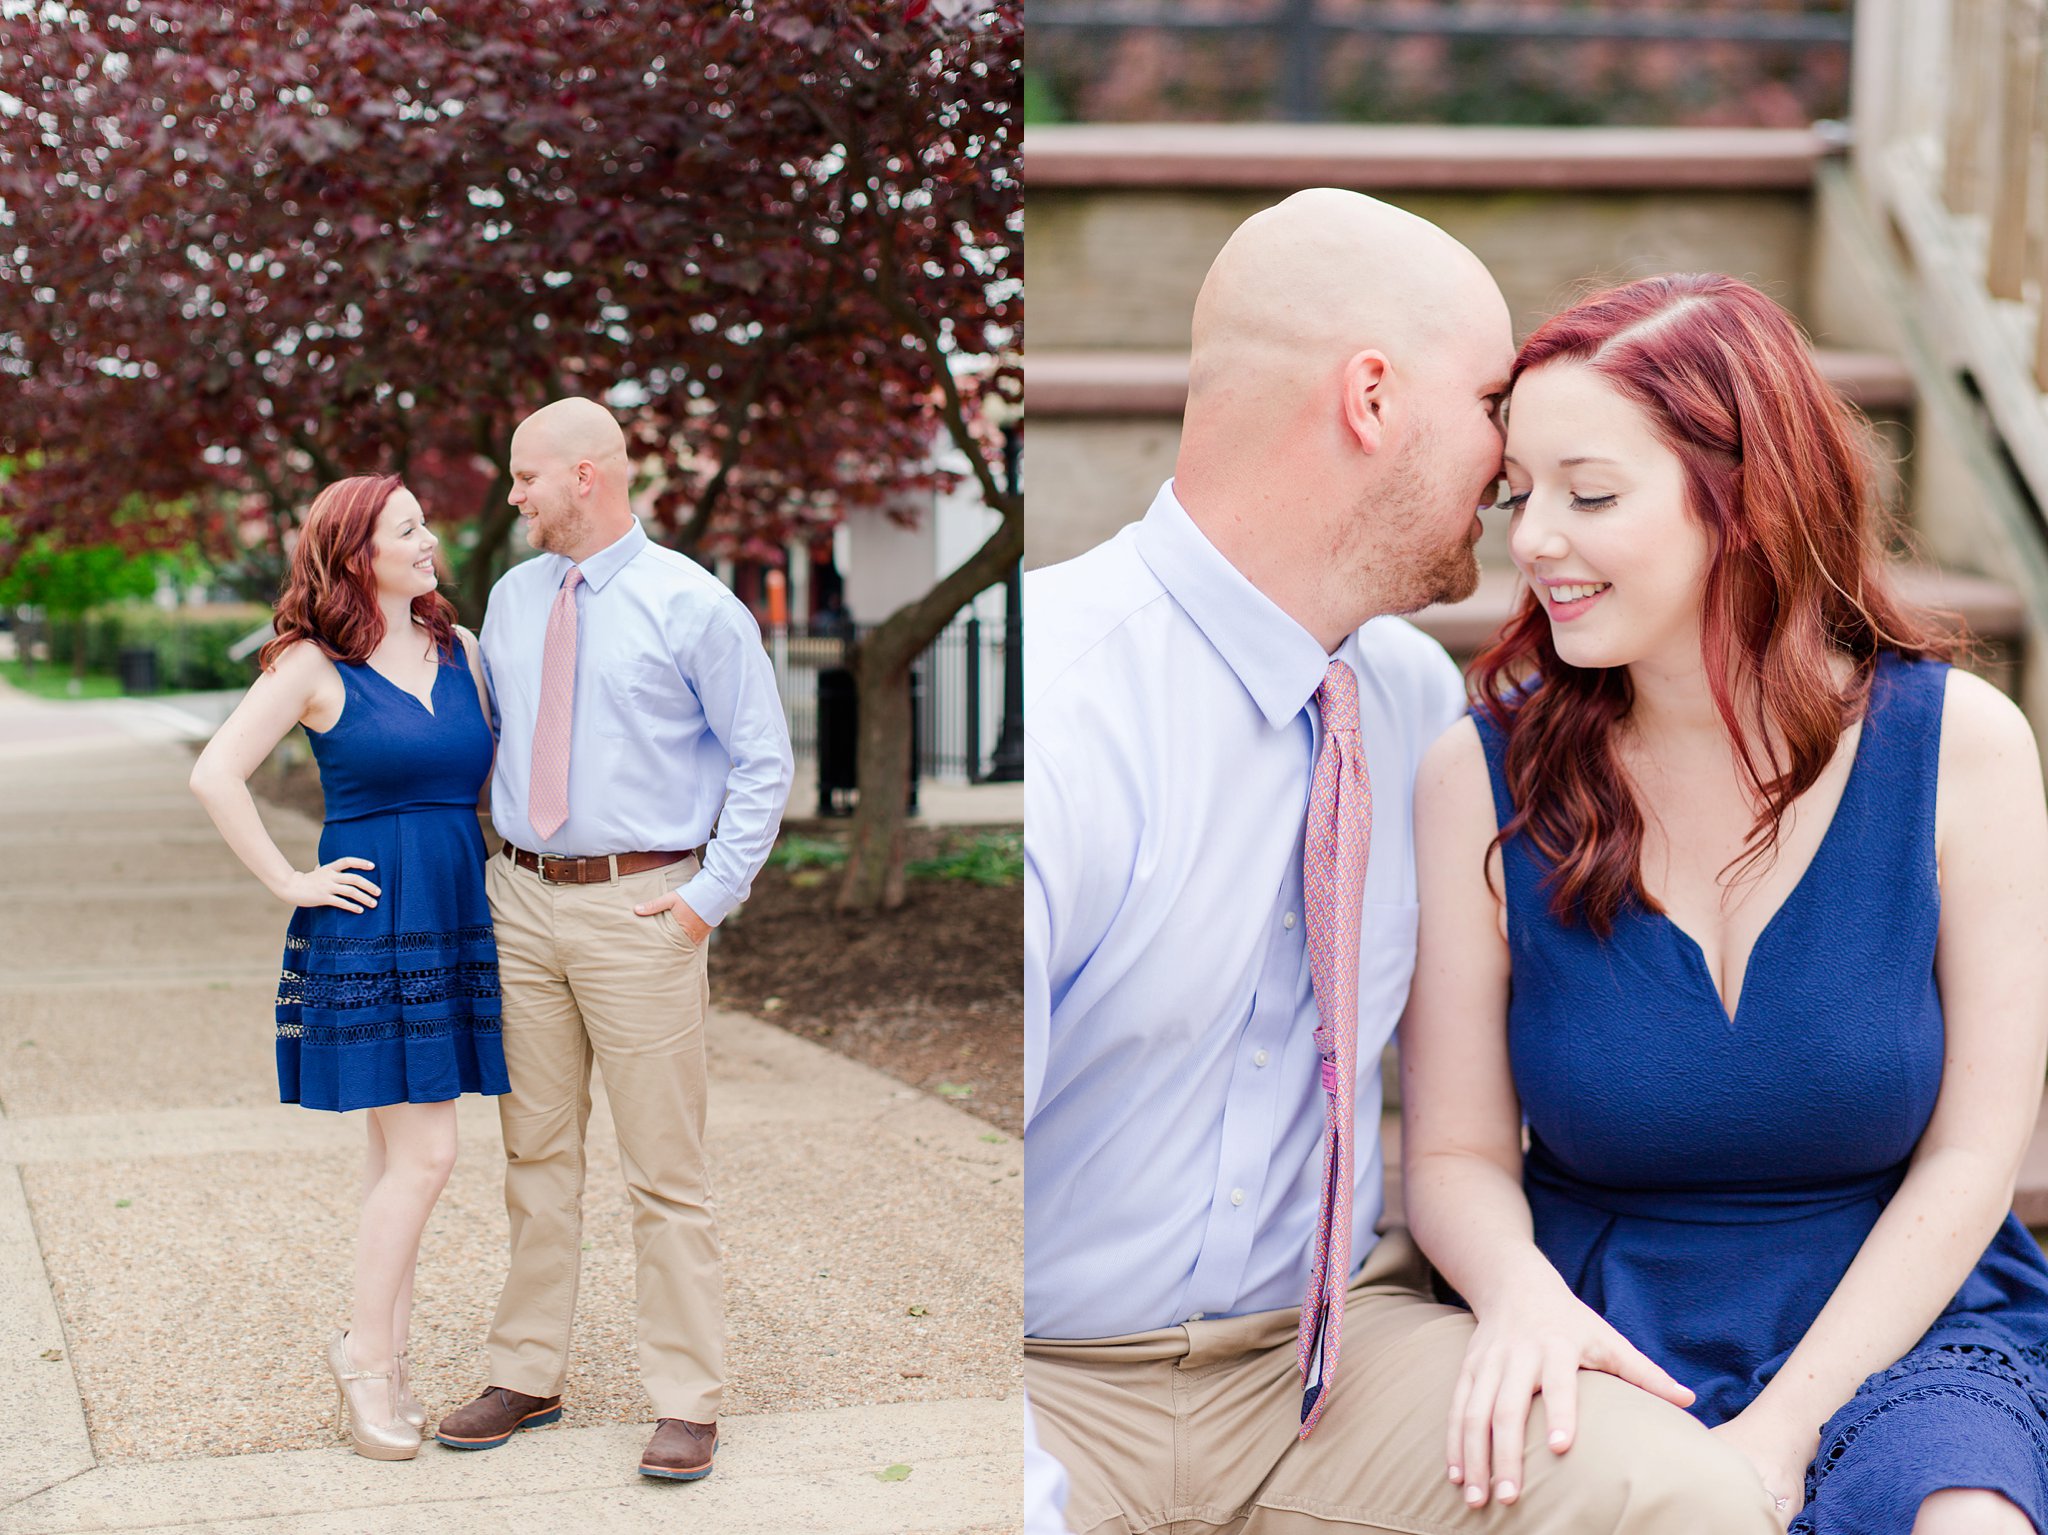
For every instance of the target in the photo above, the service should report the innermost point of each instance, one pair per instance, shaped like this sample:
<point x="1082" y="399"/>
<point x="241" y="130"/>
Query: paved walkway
<point x="175" y="1245"/>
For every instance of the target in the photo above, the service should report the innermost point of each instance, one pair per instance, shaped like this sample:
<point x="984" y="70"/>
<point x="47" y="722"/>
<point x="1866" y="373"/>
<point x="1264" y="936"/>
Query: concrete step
<point x="1283" y="156"/>
<point x="2029" y="1201"/>
<point x="1111" y="384"/>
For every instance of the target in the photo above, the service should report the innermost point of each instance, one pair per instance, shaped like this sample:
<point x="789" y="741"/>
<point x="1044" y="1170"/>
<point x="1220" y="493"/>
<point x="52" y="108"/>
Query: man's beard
<point x="1451" y="575"/>
<point x="558" y="529"/>
<point x="1414" y="571"/>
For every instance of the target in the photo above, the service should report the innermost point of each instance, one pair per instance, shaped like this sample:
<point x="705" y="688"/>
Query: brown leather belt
<point x="568" y="869"/>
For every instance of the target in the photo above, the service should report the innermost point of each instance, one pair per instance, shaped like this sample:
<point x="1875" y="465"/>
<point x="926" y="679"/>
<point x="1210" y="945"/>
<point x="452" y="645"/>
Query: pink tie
<point x="1333" y="896"/>
<point x="548" y="797"/>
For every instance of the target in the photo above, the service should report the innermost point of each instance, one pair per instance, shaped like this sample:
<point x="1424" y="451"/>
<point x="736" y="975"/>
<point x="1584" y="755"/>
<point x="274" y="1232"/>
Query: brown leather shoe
<point x="494" y="1417"/>
<point x="680" y="1450"/>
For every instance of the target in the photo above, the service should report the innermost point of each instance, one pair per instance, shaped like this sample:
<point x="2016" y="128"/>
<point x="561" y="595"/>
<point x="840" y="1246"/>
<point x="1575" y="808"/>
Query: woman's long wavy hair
<point x="1777" y="473"/>
<point x="330" y="592"/>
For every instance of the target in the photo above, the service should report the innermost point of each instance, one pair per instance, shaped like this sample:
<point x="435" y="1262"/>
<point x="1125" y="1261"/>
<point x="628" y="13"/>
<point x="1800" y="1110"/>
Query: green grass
<point x="987" y="858"/>
<point x="55" y="681"/>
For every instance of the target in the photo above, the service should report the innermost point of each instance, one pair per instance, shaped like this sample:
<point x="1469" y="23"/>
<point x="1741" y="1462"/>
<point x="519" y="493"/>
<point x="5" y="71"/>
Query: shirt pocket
<point x="640" y="693"/>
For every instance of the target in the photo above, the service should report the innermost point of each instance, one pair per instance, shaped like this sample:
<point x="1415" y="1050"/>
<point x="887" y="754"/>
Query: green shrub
<point x="989" y="858"/>
<point x="191" y="644"/>
<point x="794" y="852"/>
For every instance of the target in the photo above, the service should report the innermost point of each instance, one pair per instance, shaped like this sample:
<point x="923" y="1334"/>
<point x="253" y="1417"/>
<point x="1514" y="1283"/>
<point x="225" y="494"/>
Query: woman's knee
<point x="1970" y="1511"/>
<point x="419" y="1142"/>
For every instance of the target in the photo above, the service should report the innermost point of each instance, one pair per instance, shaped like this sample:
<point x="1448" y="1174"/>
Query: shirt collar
<point x="607" y="562"/>
<point x="1280" y="663"/>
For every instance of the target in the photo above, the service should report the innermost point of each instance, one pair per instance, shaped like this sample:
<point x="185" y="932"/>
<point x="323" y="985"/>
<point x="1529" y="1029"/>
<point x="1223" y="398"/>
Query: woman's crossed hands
<point x="1534" y="1341"/>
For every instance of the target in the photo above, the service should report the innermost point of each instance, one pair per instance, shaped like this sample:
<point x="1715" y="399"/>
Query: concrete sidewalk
<point x="175" y="1246"/>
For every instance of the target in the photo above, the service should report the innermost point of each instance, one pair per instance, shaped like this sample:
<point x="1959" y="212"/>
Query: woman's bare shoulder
<point x="1989" y="760"/>
<point x="1976" y="716"/>
<point x="1456" y="758"/>
<point x="303" y="662"/>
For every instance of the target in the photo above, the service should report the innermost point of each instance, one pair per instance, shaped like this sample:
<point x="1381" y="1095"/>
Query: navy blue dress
<point x="399" y="1003"/>
<point x="1704" y="1183"/>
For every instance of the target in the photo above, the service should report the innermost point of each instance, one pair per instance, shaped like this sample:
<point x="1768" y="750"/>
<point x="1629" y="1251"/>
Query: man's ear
<point x="586" y="476"/>
<point x="1367" y="385"/>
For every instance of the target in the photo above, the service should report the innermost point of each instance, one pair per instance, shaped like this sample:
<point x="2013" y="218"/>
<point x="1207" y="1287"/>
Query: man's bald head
<point x="570" y="477"/>
<point x="1341" y="431"/>
<point x="573" y="428"/>
<point x="1312" y="280"/>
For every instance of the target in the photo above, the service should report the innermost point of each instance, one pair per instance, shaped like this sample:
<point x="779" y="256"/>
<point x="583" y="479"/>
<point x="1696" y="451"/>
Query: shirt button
<point x="1260" y="1059"/>
<point x="1237" y="1196"/>
<point x="1288" y="922"/>
<point x="1198" y="1316"/>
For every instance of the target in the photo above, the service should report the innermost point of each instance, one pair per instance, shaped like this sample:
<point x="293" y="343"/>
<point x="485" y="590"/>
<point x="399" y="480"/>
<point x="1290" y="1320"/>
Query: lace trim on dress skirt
<point x="474" y="980"/>
<point x="2023" y="1370"/>
<point x="388" y="943"/>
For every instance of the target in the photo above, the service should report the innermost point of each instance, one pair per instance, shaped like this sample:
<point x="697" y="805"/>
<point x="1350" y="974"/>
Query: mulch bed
<point x="931" y="993"/>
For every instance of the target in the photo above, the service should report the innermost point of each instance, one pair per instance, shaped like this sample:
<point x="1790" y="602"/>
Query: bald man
<point x="1340" y="439"/>
<point x="635" y="708"/>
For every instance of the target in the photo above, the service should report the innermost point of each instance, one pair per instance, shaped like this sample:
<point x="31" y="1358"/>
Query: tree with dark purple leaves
<point x="248" y="250"/>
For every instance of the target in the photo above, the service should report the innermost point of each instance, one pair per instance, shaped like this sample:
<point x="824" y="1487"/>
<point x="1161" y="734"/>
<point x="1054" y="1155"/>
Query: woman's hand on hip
<point x="332" y="884"/>
<point x="1536" y="1342"/>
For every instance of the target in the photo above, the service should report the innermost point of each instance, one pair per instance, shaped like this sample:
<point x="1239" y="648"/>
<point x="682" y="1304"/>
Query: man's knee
<point x="1650" y="1468"/>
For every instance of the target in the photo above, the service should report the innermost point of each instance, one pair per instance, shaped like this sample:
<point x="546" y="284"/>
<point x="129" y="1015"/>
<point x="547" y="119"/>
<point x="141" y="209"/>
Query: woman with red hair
<point x="389" y="1000"/>
<point x="1735" y="894"/>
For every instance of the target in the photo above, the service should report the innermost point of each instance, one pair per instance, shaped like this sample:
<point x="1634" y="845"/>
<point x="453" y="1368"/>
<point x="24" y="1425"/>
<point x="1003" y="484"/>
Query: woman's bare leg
<point x="1971" y="1511"/>
<point x="412" y="1150"/>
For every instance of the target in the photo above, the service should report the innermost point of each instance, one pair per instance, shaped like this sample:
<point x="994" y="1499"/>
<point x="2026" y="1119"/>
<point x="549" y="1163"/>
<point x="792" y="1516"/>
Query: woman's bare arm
<point x="301" y="687"/>
<point x="1991" y="964"/>
<point x="1461" y="1150"/>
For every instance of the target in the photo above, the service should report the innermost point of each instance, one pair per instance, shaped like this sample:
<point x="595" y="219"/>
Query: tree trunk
<point x="485" y="561"/>
<point x="881" y="669"/>
<point x="874" y="861"/>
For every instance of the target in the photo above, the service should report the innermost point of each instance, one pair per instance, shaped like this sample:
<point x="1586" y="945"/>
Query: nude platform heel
<point x="409" y="1406"/>
<point x="374" y="1428"/>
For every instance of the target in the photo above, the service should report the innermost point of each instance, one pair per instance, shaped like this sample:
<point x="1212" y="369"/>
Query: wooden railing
<point x="1950" y="109"/>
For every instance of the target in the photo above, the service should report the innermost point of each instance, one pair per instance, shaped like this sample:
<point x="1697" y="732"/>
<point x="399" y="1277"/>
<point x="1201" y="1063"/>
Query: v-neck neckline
<point x="1730" y="1016"/>
<point x="433" y="687"/>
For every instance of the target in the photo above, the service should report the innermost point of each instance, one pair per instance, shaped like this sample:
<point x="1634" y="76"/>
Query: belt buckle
<point x="541" y="866"/>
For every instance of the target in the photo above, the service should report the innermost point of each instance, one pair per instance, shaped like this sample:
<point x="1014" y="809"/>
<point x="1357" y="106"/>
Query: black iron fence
<point x="957" y="691"/>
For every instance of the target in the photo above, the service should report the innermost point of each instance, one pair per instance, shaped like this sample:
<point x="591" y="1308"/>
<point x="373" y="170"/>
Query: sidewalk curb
<point x="46" y="1441"/>
<point x="778" y="1474"/>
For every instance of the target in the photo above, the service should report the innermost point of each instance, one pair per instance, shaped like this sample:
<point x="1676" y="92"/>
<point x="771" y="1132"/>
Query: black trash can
<point x="838" y="738"/>
<point x="138" y="670"/>
<point x="916" y="736"/>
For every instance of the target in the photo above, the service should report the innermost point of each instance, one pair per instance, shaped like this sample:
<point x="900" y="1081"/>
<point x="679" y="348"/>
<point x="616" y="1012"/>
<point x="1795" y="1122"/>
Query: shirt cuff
<point x="707" y="898"/>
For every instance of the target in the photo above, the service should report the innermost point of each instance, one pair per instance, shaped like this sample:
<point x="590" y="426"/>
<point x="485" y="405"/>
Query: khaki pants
<point x="584" y="977"/>
<point x="1192" y="1429"/>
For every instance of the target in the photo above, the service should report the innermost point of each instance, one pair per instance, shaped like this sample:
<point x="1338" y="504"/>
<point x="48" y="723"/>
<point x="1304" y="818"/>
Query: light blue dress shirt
<point x="677" y="723"/>
<point x="1173" y="1103"/>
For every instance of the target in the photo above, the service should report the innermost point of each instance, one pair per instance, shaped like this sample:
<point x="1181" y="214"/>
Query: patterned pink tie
<point x="548" y="796"/>
<point x="1333" y="896"/>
